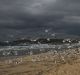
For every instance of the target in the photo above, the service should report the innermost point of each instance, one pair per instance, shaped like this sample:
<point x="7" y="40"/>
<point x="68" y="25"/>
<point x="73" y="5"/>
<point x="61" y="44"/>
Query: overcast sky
<point x="32" y="17"/>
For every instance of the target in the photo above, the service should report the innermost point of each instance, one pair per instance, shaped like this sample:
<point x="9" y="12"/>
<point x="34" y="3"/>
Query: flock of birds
<point x="51" y="56"/>
<point x="57" y="56"/>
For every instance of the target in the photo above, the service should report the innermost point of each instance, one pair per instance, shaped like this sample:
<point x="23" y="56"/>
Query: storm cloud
<point x="30" y="17"/>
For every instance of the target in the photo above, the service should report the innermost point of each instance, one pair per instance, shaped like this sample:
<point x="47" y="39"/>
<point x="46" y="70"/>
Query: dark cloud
<point x="26" y="17"/>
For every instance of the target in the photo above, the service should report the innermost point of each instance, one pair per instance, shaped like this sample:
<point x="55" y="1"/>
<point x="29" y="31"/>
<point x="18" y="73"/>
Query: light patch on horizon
<point x="71" y="19"/>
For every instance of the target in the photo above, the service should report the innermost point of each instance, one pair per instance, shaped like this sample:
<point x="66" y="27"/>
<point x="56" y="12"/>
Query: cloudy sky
<point x="20" y="18"/>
